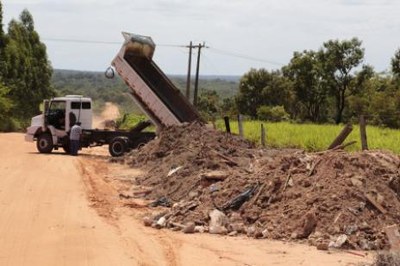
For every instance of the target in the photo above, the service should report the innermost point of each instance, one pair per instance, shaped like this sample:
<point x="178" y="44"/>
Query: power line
<point x="212" y="49"/>
<point x="99" y="42"/>
<point x="238" y="55"/>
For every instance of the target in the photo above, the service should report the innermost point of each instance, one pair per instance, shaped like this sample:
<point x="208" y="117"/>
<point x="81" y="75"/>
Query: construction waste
<point x="209" y="181"/>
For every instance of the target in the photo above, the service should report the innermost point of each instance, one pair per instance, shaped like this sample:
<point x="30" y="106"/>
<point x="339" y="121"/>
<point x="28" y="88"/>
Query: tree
<point x="208" y="104"/>
<point x="273" y="114"/>
<point x="229" y="107"/>
<point x="395" y="62"/>
<point x="1" y="27"/>
<point x="305" y="72"/>
<point x="28" y="71"/>
<point x="261" y="87"/>
<point x="5" y="105"/>
<point x="2" y="43"/>
<point x="339" y="58"/>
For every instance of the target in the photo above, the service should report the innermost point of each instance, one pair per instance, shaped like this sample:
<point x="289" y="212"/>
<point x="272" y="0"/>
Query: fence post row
<point x="342" y="136"/>
<point x="227" y="125"/>
<point x="363" y="133"/>
<point x="262" y="135"/>
<point x="240" y="125"/>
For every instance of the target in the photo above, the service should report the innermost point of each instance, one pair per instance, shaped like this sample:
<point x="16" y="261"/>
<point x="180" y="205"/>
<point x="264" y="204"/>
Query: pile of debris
<point x="219" y="183"/>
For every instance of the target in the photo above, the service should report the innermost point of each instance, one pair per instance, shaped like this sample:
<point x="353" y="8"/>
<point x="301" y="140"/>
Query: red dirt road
<point x="62" y="210"/>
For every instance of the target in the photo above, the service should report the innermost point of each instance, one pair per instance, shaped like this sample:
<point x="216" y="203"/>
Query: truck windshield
<point x="57" y="105"/>
<point x="56" y="114"/>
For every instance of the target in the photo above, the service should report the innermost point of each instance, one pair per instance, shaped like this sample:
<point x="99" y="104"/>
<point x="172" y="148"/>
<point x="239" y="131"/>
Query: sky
<point x="239" y="34"/>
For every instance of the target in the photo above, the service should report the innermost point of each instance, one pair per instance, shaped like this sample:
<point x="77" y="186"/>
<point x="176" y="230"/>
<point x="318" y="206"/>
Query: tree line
<point x="25" y="72"/>
<point x="330" y="85"/>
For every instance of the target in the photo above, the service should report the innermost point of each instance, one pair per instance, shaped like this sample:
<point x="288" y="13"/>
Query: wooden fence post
<point x="227" y="125"/>
<point x="262" y="135"/>
<point x="240" y="125"/>
<point x="363" y="133"/>
<point x="214" y="125"/>
<point x="342" y="136"/>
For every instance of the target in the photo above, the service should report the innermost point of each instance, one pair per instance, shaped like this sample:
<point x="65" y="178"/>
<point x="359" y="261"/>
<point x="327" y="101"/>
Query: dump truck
<point x="150" y="89"/>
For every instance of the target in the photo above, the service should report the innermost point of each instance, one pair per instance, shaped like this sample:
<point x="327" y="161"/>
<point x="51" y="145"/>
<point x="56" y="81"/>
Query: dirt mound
<point x="329" y="199"/>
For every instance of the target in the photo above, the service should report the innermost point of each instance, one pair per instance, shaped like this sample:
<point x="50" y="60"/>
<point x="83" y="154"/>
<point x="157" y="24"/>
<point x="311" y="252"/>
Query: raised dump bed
<point x="151" y="89"/>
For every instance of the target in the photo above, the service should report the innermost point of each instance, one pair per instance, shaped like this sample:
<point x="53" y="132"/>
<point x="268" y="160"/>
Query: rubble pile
<point x="212" y="182"/>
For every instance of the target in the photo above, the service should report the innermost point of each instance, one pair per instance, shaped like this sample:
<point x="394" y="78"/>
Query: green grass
<point x="128" y="121"/>
<point x="312" y="137"/>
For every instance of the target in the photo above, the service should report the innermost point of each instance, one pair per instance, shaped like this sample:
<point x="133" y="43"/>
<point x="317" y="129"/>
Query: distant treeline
<point x="329" y="85"/>
<point x="101" y="89"/>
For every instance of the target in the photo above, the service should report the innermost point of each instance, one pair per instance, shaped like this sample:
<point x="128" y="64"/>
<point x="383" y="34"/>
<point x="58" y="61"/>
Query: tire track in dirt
<point x="45" y="217"/>
<point x="149" y="246"/>
<point x="145" y="246"/>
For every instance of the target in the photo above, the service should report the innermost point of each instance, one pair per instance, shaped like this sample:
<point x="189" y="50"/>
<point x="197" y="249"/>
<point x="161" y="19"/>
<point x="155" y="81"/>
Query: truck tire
<point x="44" y="143"/>
<point x="118" y="146"/>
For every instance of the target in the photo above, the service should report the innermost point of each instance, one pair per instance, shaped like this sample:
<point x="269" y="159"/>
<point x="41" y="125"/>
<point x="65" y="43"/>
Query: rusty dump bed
<point x="151" y="89"/>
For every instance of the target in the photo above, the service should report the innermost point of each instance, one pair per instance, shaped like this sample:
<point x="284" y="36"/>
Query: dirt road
<point x="62" y="210"/>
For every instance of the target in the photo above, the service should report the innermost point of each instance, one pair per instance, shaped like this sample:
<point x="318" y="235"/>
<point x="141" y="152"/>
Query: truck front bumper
<point x="29" y="138"/>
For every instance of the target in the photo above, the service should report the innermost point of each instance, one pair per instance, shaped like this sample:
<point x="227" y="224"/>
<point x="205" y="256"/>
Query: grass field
<point x="312" y="137"/>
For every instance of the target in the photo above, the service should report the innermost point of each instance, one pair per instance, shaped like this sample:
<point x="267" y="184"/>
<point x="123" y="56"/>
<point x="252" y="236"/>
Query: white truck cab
<point x="51" y="129"/>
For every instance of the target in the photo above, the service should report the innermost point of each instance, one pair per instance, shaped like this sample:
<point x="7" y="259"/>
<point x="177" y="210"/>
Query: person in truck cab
<point x="74" y="137"/>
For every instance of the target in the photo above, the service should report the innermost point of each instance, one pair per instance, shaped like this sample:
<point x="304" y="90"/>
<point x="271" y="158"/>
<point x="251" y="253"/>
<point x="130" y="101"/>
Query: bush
<point x="274" y="114"/>
<point x="11" y="125"/>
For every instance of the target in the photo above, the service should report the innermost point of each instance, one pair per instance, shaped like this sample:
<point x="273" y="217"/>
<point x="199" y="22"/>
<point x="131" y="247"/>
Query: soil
<point x="319" y="198"/>
<point x="64" y="210"/>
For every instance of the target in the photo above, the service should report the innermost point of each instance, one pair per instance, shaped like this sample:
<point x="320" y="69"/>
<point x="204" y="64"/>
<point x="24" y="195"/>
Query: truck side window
<point x="77" y="105"/>
<point x="86" y="105"/>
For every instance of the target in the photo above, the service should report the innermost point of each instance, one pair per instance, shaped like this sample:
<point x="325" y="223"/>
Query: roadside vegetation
<point x="25" y="72"/>
<point x="310" y="137"/>
<point x="302" y="103"/>
<point x="314" y="137"/>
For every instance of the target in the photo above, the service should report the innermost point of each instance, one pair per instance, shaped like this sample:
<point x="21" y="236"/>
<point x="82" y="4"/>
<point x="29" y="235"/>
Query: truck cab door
<point x="56" y="115"/>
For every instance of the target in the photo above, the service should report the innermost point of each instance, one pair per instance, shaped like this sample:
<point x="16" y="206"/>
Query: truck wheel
<point x="118" y="147"/>
<point x="44" y="143"/>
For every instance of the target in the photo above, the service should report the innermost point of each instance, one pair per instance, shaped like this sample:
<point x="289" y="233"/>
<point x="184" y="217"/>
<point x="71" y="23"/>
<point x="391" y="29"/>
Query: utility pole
<point x="189" y="70"/>
<point x="196" y="84"/>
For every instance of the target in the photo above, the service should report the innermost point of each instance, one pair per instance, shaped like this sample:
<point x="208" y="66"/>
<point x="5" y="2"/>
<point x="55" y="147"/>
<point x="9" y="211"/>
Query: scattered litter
<point x="347" y="198"/>
<point x="163" y="201"/>
<point x="173" y="171"/>
<point x="238" y="201"/>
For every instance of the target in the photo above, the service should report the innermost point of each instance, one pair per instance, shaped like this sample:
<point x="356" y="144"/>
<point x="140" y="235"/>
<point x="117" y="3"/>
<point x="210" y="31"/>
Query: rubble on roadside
<point x="209" y="181"/>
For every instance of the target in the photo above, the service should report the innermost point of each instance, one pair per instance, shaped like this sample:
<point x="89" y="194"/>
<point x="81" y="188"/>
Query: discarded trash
<point x="161" y="222"/>
<point x="339" y="241"/>
<point x="238" y="201"/>
<point x="218" y="222"/>
<point x="163" y="201"/>
<point x="173" y="171"/>
<point x="334" y="191"/>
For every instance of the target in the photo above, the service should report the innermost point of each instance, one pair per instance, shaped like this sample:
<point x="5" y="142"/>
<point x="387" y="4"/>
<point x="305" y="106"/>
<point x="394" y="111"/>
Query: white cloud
<point x="268" y="29"/>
